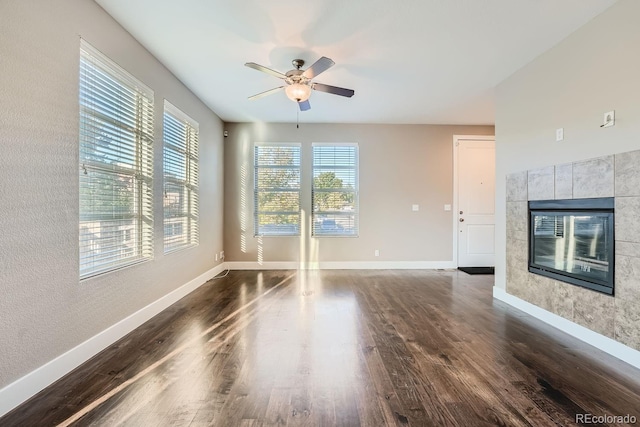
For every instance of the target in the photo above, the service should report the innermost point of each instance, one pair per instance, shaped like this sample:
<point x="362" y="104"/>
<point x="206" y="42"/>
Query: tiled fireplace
<point x="616" y="316"/>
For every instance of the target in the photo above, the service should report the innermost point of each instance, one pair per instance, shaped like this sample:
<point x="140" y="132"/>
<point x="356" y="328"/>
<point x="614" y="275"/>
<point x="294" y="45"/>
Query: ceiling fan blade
<point x="320" y="66"/>
<point x="265" y="70"/>
<point x="333" y="90"/>
<point x="266" y="92"/>
<point x="304" y="105"/>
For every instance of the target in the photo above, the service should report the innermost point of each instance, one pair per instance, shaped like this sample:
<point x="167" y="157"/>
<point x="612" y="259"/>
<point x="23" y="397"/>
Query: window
<point x="116" y="135"/>
<point x="335" y="190"/>
<point x="277" y="189"/>
<point x="180" y="137"/>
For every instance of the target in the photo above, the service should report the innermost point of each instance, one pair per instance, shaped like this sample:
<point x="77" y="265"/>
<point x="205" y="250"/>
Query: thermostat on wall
<point x="609" y="119"/>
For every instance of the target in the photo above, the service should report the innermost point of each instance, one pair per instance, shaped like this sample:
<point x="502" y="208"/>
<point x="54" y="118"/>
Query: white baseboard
<point x="22" y="389"/>
<point x="606" y="344"/>
<point x="340" y="265"/>
<point x="272" y="265"/>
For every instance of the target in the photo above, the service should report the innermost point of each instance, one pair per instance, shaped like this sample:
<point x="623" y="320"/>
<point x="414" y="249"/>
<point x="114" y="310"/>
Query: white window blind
<point x="180" y="137"/>
<point x="116" y="135"/>
<point x="335" y="190"/>
<point x="277" y="189"/>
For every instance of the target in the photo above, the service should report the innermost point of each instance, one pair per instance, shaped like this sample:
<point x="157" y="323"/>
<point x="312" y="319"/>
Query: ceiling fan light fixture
<point x="298" y="92"/>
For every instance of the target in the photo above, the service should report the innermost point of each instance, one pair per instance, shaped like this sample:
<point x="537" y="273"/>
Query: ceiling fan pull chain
<point x="297" y="119"/>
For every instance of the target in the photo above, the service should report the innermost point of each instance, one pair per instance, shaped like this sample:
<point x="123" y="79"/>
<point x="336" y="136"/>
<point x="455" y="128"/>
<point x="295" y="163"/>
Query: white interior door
<point x="476" y="203"/>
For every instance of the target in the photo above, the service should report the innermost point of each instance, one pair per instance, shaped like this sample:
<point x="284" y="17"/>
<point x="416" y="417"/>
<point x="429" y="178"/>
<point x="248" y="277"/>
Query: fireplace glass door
<point x="575" y="247"/>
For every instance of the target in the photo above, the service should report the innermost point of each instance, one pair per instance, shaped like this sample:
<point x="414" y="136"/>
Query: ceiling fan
<point x="298" y="82"/>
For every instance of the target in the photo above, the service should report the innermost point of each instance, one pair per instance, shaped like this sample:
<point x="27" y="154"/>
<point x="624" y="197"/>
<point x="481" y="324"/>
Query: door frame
<point x="454" y="215"/>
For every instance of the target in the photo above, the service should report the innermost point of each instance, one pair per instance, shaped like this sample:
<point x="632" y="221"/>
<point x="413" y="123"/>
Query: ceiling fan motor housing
<point x="295" y="76"/>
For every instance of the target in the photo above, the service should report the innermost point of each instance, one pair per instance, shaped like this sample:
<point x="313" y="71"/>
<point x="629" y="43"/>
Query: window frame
<point x="256" y="190"/>
<point x="104" y="137"/>
<point x="189" y="185"/>
<point x="356" y="191"/>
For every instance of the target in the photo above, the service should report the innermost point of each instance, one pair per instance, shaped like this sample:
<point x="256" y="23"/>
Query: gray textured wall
<point x="44" y="309"/>
<point x="593" y="71"/>
<point x="400" y="165"/>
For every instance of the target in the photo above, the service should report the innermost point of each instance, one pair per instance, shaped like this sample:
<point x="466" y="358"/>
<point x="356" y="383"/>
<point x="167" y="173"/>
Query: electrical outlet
<point x="415" y="208"/>
<point x="559" y="134"/>
<point x="221" y="255"/>
<point x="609" y="119"/>
<point x="216" y="256"/>
<point x="447" y="207"/>
<point x="376" y="253"/>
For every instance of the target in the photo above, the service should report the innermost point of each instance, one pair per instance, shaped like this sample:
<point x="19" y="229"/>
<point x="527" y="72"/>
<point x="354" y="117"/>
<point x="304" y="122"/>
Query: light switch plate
<point x="559" y="134"/>
<point x="447" y="207"/>
<point x="415" y="208"/>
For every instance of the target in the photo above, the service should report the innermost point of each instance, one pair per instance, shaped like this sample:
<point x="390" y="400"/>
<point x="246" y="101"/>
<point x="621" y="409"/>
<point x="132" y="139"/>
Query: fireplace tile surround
<point x="616" y="176"/>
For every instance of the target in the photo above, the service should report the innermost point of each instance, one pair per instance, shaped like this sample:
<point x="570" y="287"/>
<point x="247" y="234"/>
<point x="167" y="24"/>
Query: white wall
<point x="44" y="309"/>
<point x="594" y="70"/>
<point x="399" y="165"/>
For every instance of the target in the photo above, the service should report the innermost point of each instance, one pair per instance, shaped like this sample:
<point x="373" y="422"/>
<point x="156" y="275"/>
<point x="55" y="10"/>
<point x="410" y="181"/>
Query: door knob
<point x="461" y="219"/>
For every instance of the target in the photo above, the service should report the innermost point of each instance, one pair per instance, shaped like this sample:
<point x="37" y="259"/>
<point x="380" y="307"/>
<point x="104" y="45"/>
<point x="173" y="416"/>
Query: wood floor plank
<point x="348" y="348"/>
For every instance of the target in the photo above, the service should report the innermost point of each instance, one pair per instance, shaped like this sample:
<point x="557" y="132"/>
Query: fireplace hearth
<point x="573" y="241"/>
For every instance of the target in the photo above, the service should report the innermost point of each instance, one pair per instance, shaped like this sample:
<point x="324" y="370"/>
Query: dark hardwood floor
<point x="349" y="348"/>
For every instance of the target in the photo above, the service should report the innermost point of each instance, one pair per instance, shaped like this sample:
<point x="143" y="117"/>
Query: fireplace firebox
<point x="572" y="241"/>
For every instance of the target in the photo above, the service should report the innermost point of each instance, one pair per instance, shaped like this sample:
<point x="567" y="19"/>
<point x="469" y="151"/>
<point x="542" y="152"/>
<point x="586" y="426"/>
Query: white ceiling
<point x="409" y="61"/>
